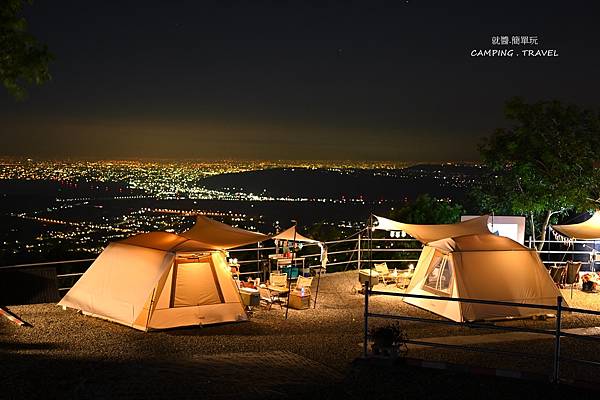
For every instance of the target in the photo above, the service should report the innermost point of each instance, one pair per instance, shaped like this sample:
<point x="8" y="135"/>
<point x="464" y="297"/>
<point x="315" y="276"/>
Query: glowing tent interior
<point x="464" y="260"/>
<point x="163" y="280"/>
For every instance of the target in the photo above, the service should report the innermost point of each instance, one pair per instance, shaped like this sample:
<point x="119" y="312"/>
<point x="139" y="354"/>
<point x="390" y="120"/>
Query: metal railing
<point x="350" y="255"/>
<point x="557" y="333"/>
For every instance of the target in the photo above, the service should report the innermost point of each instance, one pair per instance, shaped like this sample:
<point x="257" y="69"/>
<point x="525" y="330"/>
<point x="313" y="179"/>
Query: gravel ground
<point x="72" y="350"/>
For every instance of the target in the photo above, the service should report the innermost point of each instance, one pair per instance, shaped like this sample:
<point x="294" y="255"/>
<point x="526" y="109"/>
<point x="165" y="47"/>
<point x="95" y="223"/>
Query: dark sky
<point x="373" y="80"/>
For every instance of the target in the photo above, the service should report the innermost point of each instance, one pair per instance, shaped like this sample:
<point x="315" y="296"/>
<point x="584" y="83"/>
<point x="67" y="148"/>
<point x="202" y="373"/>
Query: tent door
<point x="194" y="283"/>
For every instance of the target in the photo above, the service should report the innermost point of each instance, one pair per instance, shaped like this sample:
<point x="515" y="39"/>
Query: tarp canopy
<point x="589" y="229"/>
<point x="429" y="233"/>
<point x="293" y="235"/>
<point x="206" y="234"/>
<point x="166" y="241"/>
<point x="218" y="235"/>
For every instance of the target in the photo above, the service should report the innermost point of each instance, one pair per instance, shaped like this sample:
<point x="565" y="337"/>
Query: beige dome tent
<point x="475" y="264"/>
<point x="162" y="280"/>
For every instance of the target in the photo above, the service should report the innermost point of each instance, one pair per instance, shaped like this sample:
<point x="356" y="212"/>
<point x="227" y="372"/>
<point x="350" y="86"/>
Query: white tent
<point x="291" y="234"/>
<point x="162" y="280"/>
<point x="477" y="265"/>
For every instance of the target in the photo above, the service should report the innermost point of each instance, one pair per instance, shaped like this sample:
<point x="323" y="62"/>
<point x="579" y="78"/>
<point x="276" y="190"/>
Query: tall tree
<point x="22" y="58"/>
<point x="428" y="210"/>
<point x="544" y="164"/>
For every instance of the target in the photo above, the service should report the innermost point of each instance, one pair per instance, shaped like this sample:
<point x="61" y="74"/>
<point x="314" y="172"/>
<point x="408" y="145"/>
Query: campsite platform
<point x="310" y="354"/>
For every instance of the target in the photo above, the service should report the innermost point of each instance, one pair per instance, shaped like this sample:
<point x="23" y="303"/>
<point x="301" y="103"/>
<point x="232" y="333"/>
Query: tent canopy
<point x="206" y="234"/>
<point x="292" y="235"/>
<point x="430" y="233"/>
<point x="218" y="235"/>
<point x="166" y="241"/>
<point x="589" y="229"/>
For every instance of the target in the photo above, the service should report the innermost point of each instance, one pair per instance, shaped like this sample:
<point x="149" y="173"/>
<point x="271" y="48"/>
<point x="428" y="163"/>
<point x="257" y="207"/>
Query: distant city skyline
<point x="406" y="81"/>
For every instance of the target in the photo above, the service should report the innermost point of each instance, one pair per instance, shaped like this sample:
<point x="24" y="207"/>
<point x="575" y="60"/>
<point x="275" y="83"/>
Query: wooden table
<point x="278" y="289"/>
<point x="403" y="279"/>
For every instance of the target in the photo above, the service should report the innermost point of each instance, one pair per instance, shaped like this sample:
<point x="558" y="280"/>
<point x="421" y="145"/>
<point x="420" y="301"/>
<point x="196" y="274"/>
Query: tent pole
<point x="150" y="308"/>
<point x="358" y="261"/>
<point x="287" y="306"/>
<point x="258" y="261"/>
<point x="317" y="293"/>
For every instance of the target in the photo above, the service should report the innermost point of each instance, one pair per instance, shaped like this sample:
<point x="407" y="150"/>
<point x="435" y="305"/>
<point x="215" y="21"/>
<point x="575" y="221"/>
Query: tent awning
<point x="589" y="229"/>
<point x="221" y="236"/>
<point x="429" y="233"/>
<point x="205" y="235"/>
<point x="293" y="235"/>
<point x="166" y="241"/>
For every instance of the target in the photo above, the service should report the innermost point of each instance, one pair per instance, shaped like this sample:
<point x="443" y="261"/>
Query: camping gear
<point x="366" y="275"/>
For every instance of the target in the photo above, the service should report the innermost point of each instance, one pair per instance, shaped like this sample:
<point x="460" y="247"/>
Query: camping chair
<point x="384" y="272"/>
<point x="278" y="280"/>
<point x="268" y="298"/>
<point x="305" y="283"/>
<point x="572" y="274"/>
<point x="558" y="275"/>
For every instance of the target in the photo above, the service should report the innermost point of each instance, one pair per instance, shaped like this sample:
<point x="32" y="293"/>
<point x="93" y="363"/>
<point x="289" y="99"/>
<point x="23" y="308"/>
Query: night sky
<point x="376" y="80"/>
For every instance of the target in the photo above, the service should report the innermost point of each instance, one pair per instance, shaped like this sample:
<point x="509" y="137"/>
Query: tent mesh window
<point x="439" y="275"/>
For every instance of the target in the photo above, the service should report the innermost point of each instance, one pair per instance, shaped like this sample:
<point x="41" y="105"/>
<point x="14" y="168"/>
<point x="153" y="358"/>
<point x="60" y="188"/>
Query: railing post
<point x="556" y="373"/>
<point x="358" y="257"/>
<point x="366" y="332"/>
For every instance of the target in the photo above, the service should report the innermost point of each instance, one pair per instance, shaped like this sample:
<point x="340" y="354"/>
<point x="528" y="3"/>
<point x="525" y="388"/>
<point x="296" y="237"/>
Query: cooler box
<point x="368" y="275"/>
<point x="295" y="271"/>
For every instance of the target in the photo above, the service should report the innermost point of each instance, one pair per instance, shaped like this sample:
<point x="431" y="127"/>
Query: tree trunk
<point x="532" y="223"/>
<point x="544" y="230"/>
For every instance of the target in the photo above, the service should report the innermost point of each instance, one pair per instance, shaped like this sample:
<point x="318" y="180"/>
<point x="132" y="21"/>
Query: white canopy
<point x="589" y="229"/>
<point x="291" y="234"/>
<point x="429" y="233"/>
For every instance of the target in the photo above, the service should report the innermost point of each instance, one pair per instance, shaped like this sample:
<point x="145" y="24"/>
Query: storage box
<point x="299" y="302"/>
<point x="250" y="297"/>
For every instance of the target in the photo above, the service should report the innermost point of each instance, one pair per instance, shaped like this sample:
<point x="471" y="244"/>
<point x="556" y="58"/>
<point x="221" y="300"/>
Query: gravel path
<point x="72" y="349"/>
